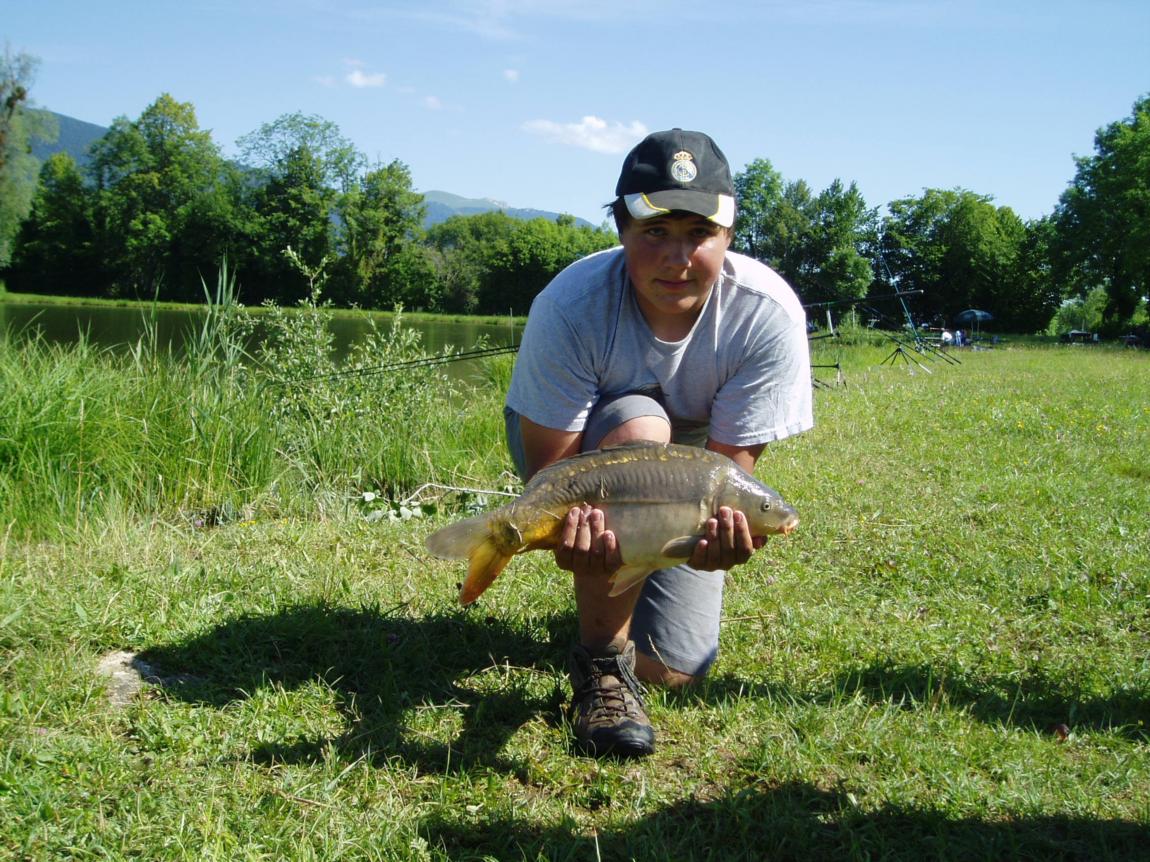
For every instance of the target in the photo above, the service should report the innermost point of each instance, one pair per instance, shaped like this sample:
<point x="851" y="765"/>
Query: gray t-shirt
<point x="741" y="376"/>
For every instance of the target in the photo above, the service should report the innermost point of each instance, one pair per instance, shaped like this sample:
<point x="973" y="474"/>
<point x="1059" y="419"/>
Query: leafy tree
<point x="292" y="210"/>
<point x="1083" y="313"/>
<point x="759" y="192"/>
<point x="19" y="124"/>
<point x="55" y="251"/>
<point x="495" y="264"/>
<point x="381" y="222"/>
<point x="844" y="231"/>
<point x="1102" y="221"/>
<point x="818" y="243"/>
<point x="1036" y="295"/>
<point x="159" y="219"/>
<point x="964" y="252"/>
<point x="270" y="147"/>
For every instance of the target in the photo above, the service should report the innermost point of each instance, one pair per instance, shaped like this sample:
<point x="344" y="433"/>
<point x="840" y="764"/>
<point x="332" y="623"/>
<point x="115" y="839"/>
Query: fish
<point x="656" y="498"/>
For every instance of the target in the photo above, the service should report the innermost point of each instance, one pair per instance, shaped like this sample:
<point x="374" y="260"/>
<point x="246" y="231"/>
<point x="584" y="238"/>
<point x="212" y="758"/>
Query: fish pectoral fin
<point x="680" y="548"/>
<point x="627" y="577"/>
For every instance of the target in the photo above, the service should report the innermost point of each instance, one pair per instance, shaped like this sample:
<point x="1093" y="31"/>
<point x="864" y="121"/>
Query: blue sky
<point x="534" y="102"/>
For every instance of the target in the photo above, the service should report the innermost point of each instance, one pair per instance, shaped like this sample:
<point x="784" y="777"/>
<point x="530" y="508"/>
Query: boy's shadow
<point x="382" y="668"/>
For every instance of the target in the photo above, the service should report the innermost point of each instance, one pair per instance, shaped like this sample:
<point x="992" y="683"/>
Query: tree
<point x="495" y="264"/>
<point x="160" y="221"/>
<point x="55" y="251"/>
<point x="843" y="233"/>
<point x="962" y="251"/>
<point x="381" y="223"/>
<point x="293" y="209"/>
<point x="1037" y="296"/>
<point x="1102" y="221"/>
<point x="19" y="124"/>
<point x="759" y="192"/>
<point x="819" y="244"/>
<point x="270" y="147"/>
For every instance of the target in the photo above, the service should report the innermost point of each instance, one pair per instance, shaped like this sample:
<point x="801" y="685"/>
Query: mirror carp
<point x="656" y="498"/>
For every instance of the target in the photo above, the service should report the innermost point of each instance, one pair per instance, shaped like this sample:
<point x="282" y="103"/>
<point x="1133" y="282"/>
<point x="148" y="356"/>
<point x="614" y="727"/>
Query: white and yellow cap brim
<point x="719" y="209"/>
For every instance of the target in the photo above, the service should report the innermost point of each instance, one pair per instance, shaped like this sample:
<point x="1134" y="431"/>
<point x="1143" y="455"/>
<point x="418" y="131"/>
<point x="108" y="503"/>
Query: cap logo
<point x="683" y="168"/>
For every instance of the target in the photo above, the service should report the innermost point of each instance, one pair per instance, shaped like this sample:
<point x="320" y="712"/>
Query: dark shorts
<point x="676" y="620"/>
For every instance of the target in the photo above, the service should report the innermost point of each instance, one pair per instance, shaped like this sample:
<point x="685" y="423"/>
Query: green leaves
<point x="1102" y="222"/>
<point x="964" y="252"/>
<point x="818" y="243"/>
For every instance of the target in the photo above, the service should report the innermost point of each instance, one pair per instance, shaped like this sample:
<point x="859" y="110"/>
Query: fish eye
<point x="765" y="506"/>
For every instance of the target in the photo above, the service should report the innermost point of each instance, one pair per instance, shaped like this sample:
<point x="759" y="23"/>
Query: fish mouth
<point x="789" y="527"/>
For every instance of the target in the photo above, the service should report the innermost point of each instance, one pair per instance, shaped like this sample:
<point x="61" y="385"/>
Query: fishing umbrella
<point x="973" y="317"/>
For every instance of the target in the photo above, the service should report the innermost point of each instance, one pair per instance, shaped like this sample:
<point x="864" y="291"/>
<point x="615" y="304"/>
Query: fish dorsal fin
<point x="627" y="577"/>
<point x="681" y="547"/>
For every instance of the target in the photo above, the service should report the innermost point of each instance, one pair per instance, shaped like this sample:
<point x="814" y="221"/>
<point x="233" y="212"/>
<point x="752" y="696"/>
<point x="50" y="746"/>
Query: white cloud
<point x="432" y="103"/>
<point x="590" y="133"/>
<point x="511" y="75"/>
<point x="359" y="78"/>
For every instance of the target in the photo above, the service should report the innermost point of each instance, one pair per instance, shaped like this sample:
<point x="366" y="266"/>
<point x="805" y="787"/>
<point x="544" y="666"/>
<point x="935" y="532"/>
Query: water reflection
<point x="122" y="327"/>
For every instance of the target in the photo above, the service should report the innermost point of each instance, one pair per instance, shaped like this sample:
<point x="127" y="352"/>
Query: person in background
<point x="670" y="337"/>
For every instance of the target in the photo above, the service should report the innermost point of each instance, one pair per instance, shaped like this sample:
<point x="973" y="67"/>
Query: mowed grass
<point x="950" y="659"/>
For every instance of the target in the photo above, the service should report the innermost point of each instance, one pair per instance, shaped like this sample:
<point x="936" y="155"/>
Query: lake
<point x="118" y="327"/>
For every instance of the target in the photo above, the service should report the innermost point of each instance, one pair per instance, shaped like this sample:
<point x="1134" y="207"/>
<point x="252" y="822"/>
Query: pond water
<point x="120" y="327"/>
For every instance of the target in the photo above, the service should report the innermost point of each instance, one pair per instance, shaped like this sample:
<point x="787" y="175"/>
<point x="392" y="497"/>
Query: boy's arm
<point x="543" y="446"/>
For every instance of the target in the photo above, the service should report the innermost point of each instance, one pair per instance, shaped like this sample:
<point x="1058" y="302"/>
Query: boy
<point x="673" y="338"/>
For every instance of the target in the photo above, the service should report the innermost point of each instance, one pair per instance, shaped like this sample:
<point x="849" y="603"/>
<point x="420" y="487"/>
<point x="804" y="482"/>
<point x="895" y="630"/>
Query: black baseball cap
<point x="678" y="170"/>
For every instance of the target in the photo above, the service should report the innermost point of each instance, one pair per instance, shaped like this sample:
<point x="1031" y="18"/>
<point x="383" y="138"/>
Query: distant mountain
<point x="77" y="136"/>
<point x="443" y="205"/>
<point x="75" y="139"/>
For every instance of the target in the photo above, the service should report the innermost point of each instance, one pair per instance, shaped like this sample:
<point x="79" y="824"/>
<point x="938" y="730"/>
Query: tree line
<point x="157" y="207"/>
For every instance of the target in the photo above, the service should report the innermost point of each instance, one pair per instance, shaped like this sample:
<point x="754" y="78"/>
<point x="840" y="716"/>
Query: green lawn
<point x="949" y="659"/>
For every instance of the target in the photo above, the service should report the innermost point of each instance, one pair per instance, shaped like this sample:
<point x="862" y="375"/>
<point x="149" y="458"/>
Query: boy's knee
<point x="654" y="428"/>
<point x="655" y="672"/>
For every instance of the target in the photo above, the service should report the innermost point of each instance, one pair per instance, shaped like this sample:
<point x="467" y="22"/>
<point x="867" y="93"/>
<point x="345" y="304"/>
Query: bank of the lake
<point x="142" y="305"/>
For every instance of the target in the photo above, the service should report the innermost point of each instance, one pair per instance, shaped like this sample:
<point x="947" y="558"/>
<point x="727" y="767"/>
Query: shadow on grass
<point x="792" y="821"/>
<point x="1033" y="700"/>
<point x="382" y="668"/>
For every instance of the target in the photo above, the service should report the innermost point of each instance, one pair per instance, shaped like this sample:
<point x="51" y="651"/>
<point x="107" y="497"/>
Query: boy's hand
<point x="586" y="547"/>
<point x="726" y="543"/>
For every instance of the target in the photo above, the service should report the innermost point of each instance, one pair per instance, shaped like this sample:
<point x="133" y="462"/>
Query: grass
<point x="947" y="660"/>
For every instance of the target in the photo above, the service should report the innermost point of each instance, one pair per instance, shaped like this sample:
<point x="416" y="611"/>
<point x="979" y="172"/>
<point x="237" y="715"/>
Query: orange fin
<point x="486" y="564"/>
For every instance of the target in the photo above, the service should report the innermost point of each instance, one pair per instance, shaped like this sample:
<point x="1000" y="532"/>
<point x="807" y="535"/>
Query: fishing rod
<point x="896" y="295"/>
<point x="479" y="353"/>
<point x="420" y="362"/>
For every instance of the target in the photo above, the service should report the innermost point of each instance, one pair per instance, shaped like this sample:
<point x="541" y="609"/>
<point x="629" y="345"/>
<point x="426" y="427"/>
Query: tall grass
<point x="88" y="434"/>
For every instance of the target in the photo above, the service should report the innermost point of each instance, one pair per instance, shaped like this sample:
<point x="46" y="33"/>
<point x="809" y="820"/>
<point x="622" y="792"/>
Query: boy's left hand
<point x="727" y="542"/>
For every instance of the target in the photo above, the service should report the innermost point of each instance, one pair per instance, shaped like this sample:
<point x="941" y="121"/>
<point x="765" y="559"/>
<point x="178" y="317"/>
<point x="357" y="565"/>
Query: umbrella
<point x="973" y="316"/>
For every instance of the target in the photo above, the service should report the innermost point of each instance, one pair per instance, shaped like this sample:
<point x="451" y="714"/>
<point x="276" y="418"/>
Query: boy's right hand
<point x="585" y="546"/>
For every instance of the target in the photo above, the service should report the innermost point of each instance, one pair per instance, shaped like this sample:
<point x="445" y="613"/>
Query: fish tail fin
<point x="459" y="540"/>
<point x="487" y="561"/>
<point x="470" y="539"/>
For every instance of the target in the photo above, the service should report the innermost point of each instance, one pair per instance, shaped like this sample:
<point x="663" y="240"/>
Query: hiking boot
<point x="607" y="706"/>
